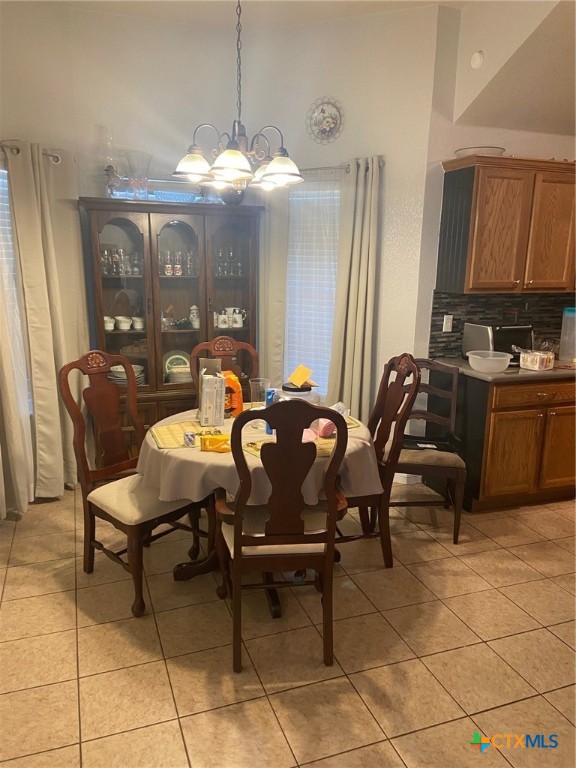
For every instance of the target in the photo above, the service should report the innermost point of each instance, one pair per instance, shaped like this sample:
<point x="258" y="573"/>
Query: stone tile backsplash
<point x="543" y="311"/>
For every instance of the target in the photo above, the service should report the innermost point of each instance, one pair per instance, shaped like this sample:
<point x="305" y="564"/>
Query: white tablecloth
<point x="189" y="473"/>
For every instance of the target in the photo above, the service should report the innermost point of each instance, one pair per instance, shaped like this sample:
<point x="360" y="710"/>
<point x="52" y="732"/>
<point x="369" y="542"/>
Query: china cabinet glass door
<point x="229" y="278"/>
<point x="123" y="292"/>
<point x="180" y="312"/>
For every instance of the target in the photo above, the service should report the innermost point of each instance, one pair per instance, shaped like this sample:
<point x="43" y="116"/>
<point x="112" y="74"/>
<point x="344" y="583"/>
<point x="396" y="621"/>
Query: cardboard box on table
<point x="211" y="393"/>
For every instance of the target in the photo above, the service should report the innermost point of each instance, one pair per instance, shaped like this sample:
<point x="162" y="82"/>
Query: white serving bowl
<point x="489" y="362"/>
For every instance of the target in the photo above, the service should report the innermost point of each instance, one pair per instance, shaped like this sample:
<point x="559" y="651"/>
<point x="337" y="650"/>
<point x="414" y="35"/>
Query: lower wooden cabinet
<point x="557" y="469"/>
<point x="513" y="452"/>
<point x="518" y="441"/>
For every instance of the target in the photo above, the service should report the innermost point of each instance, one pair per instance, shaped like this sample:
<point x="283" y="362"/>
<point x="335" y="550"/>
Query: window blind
<point x="311" y="276"/>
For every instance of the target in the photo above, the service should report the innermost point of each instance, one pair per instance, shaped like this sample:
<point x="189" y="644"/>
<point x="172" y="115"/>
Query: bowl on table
<point x="489" y="362"/>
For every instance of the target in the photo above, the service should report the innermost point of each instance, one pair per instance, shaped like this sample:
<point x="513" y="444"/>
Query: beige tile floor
<point x="452" y="640"/>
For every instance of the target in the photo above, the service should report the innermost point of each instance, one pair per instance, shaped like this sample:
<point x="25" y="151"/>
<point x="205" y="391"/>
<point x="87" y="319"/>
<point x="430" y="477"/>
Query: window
<point x="311" y="275"/>
<point x="10" y="293"/>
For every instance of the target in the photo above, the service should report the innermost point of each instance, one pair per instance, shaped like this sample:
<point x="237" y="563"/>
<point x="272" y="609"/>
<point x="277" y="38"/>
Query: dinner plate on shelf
<point x="173" y="359"/>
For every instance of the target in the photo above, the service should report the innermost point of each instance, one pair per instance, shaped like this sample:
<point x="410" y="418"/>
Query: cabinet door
<point x="122" y="289"/>
<point x="177" y="245"/>
<point x="500" y="230"/>
<point x="513" y="452"/>
<point x="231" y="244"/>
<point x="550" y="260"/>
<point x="557" y="469"/>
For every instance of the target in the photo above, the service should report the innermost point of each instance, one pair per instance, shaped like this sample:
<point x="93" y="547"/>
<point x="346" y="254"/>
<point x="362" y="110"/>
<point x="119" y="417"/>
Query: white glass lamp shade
<point x="281" y="172"/>
<point x="231" y="165"/>
<point x="193" y="166"/>
<point x="257" y="180"/>
<point x="216" y="184"/>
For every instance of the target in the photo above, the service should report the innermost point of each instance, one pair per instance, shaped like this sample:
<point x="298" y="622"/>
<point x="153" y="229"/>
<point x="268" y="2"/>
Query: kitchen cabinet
<point x="518" y="441"/>
<point x="153" y="262"/>
<point x="507" y="226"/>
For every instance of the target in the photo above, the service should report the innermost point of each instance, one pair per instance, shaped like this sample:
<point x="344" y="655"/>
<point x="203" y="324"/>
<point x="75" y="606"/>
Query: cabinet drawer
<point x="533" y="393"/>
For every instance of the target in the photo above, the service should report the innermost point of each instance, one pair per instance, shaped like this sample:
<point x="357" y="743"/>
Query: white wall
<point x="150" y="82"/>
<point x="64" y="73"/>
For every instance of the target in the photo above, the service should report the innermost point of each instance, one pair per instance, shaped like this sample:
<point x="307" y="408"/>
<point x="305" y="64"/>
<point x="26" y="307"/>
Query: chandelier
<point x="237" y="164"/>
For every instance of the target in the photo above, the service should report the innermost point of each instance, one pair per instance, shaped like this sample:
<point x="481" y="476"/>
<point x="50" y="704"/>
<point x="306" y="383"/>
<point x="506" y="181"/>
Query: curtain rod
<point x="330" y="168"/>
<point x="56" y="159"/>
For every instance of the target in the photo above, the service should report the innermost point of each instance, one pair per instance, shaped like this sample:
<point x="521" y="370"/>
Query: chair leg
<point x="89" y="536"/>
<point x="224" y="561"/>
<point x="236" y="619"/>
<point x="135" y="562"/>
<point x="327" y="619"/>
<point x="365" y="521"/>
<point x="458" y="500"/>
<point x="384" y="528"/>
<point x="194" y="519"/>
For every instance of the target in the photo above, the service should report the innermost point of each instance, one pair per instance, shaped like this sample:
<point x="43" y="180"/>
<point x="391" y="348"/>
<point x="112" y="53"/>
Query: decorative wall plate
<point x="324" y="120"/>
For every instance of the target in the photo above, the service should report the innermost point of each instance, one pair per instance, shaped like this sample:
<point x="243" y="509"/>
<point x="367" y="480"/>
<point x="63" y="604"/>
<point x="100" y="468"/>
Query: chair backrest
<point x="287" y="462"/>
<point x="104" y="413"/>
<point x="393" y="406"/>
<point x="436" y="404"/>
<point x="237" y="356"/>
<point x="441" y="397"/>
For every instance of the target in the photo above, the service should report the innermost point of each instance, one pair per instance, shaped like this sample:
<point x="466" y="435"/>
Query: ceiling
<point x="534" y="91"/>
<point x="256" y="14"/>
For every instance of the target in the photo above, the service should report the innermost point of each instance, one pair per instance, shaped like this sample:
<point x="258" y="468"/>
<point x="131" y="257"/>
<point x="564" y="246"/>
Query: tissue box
<point x="212" y="394"/>
<point x="537" y="361"/>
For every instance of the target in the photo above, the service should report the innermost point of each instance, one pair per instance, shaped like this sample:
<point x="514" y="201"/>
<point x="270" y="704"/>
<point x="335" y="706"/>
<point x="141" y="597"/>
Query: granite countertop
<point x="510" y="375"/>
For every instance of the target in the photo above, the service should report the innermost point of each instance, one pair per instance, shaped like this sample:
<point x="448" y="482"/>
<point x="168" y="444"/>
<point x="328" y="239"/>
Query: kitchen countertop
<point x="510" y="375"/>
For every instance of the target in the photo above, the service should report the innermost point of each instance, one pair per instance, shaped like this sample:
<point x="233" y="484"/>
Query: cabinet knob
<point x="545" y="395"/>
<point x="528" y="283"/>
<point x="541" y="415"/>
<point x="516" y="282"/>
<point x="551" y="413"/>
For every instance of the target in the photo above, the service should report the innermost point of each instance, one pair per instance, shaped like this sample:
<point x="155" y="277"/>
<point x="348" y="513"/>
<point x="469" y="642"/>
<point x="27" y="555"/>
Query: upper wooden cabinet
<point x="507" y="226"/>
<point x="154" y="262"/>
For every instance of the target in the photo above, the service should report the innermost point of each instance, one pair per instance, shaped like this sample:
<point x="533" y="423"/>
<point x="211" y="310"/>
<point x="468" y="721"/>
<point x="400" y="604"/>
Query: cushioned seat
<point x="430" y="457"/>
<point x="130" y="502"/>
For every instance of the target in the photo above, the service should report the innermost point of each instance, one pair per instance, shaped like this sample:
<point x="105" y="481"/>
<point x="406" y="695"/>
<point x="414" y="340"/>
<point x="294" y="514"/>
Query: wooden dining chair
<point x="237" y="356"/>
<point x="112" y="490"/>
<point x="396" y="396"/>
<point x="434" y="456"/>
<point x="286" y="534"/>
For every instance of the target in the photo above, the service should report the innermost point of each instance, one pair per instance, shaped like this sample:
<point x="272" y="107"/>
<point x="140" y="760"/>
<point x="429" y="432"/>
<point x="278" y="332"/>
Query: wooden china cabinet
<point x="154" y="261"/>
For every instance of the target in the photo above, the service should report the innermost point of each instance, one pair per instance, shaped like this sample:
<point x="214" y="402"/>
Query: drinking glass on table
<point x="258" y="389"/>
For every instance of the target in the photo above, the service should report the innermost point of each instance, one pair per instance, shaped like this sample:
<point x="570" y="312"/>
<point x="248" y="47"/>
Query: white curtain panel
<point x="272" y="283"/>
<point x="353" y="339"/>
<point x="44" y="197"/>
<point x="16" y="454"/>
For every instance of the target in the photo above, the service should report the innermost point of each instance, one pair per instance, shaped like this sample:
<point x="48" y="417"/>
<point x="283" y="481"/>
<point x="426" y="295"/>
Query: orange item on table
<point x="216" y="443"/>
<point x="233" y="403"/>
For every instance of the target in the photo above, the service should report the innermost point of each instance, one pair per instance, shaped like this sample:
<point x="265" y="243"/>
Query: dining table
<point x="187" y="472"/>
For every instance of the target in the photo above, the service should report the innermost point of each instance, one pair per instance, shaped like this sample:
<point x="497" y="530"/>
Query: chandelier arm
<point x="273" y="127"/>
<point x="255" y="152"/>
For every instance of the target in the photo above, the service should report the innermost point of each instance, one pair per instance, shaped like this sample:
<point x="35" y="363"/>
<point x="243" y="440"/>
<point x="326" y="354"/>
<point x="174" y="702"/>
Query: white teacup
<point x="123" y="323"/>
<point x="138" y="323"/>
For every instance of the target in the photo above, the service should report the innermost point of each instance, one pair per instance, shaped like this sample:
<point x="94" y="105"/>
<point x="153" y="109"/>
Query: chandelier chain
<point x="239" y="61"/>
